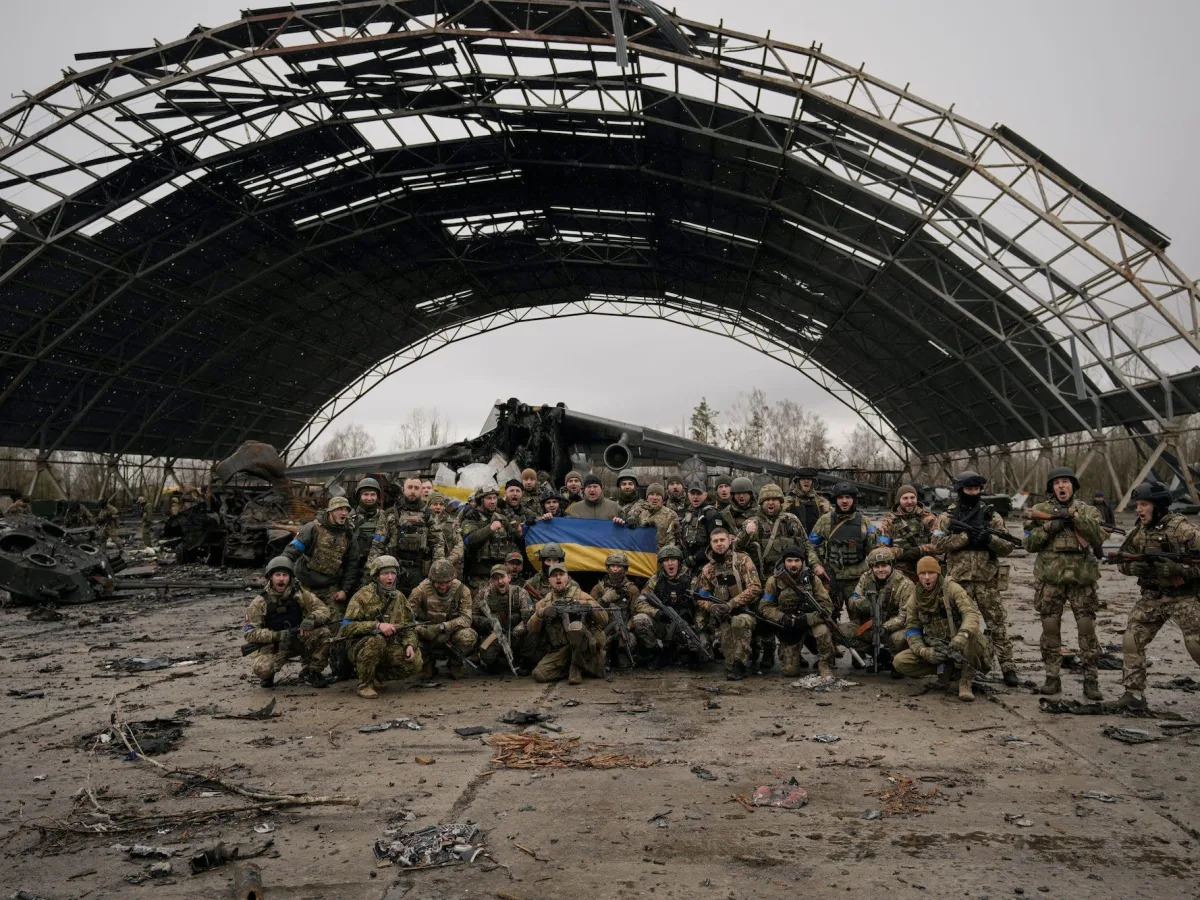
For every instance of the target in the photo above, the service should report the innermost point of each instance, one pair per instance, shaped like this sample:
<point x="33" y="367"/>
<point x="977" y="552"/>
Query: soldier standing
<point x="891" y="590"/>
<point x="366" y="518"/>
<point x="672" y="585"/>
<point x="728" y="584"/>
<point x="697" y="524"/>
<point x="789" y="600"/>
<point x="326" y="556"/>
<point x="839" y="544"/>
<point x="908" y="530"/>
<point x="724" y="490"/>
<point x="530" y="494"/>
<point x="770" y="531"/>
<point x="676" y="498"/>
<point x="447" y="524"/>
<point x="804" y="501"/>
<point x="572" y="642"/>
<point x="286" y="621"/>
<point x="1170" y="589"/>
<point x="627" y="492"/>
<point x="971" y="561"/>
<point x="653" y="511"/>
<point x="489" y="535"/>
<point x="741" y="504"/>
<point x="1066" y="572"/>
<point x="502" y="599"/>
<point x="408" y="533"/>
<point x="572" y="491"/>
<point x="442" y="611"/>
<point x="378" y="630"/>
<point x="594" y="504"/>
<point x="943" y="631"/>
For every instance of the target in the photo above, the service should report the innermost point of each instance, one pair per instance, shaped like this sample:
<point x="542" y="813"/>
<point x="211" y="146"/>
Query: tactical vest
<point x="675" y="593"/>
<point x="788" y="598"/>
<point x="412" y="532"/>
<point x="907" y="529"/>
<point x="499" y="543"/>
<point x="772" y="549"/>
<point x="845" y="546"/>
<point x="806" y="510"/>
<point x="694" y="528"/>
<point x="976" y="518"/>
<point x="283" y="613"/>
<point x="330" y="550"/>
<point x="366" y="522"/>
<point x="1064" y="541"/>
<point x="727" y="581"/>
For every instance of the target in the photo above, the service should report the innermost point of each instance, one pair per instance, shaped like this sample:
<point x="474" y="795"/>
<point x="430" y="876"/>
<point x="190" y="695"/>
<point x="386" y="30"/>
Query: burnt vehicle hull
<point x="41" y="562"/>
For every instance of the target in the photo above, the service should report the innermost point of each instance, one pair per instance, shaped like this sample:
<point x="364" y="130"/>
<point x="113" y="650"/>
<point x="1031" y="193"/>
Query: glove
<point x="427" y="632"/>
<point x="928" y="654"/>
<point x="959" y="644"/>
<point x="661" y="615"/>
<point x="1139" y="569"/>
<point x="891" y="625"/>
<point x="1164" y="570"/>
<point x="790" y="622"/>
<point x="720" y="611"/>
<point x="307" y="625"/>
<point x="289" y="642"/>
<point x="978" y="541"/>
<point x="1054" y="526"/>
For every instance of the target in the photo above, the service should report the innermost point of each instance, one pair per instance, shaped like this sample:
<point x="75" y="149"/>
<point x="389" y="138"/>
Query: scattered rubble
<point x="431" y="846"/>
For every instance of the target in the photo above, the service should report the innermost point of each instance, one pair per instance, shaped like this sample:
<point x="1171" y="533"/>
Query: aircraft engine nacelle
<point x="618" y="456"/>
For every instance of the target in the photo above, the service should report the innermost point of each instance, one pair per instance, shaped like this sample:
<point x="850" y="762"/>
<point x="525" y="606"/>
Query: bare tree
<point x="346" y="442"/>
<point x="425" y="427"/>
<point x="864" y="450"/>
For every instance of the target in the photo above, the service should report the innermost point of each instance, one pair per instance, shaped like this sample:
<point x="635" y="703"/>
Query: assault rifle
<point x="616" y="623"/>
<point x="288" y="643"/>
<point x="947" y="655"/>
<point x="453" y="652"/>
<point x="501" y="637"/>
<point x="678" y="624"/>
<point x="1063" y="515"/>
<point x="971" y="528"/>
<point x="1186" y="557"/>
<point x="876" y="624"/>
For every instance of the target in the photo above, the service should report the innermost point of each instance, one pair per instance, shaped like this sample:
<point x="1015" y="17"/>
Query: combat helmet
<point x="278" y="563"/>
<point x="670" y="551"/>
<point x="880" y="556"/>
<point x="1060" y="472"/>
<point x="379" y="563"/>
<point x="367" y="484"/>
<point x="441" y="570"/>
<point x="550" y="551"/>
<point x="617" y="558"/>
<point x="742" y="485"/>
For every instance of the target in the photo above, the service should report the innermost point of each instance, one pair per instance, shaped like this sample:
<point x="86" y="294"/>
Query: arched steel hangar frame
<point x="228" y="236"/>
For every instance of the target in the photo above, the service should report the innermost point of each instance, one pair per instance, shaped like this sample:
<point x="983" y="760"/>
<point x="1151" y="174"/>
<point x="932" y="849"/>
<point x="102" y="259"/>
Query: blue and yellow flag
<point x="587" y="542"/>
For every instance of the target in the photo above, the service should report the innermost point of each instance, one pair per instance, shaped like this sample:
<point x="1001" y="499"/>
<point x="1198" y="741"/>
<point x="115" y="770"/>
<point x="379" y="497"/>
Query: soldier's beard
<point x="967" y="501"/>
<point x="719" y="557"/>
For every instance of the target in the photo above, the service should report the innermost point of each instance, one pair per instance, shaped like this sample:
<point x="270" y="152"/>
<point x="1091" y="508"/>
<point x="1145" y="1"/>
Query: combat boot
<point x="824" y="669"/>
<point x="1052" y="686"/>
<point x="367" y="692"/>
<point x="575" y="676"/>
<point x="735" y="671"/>
<point x="313" y="678"/>
<point x="1091" y="689"/>
<point x="427" y="667"/>
<point x="965" y="693"/>
<point x="455" y="668"/>
<point x="1130" y="700"/>
<point x="1010" y="678"/>
<point x="768" y="657"/>
<point x="267" y="682"/>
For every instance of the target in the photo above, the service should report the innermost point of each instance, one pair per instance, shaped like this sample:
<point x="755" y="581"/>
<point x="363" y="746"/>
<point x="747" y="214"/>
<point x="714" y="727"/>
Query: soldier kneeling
<point x="442" y="609"/>
<point x="943" y="631"/>
<point x="572" y="625"/>
<point x="883" y="588"/>
<point x="284" y="622"/>
<point x="378" y="629"/>
<point x="790" y="600"/>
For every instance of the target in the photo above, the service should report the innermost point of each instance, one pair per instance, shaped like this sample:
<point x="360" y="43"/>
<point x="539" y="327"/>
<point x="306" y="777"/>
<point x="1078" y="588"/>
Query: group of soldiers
<point x="382" y="593"/>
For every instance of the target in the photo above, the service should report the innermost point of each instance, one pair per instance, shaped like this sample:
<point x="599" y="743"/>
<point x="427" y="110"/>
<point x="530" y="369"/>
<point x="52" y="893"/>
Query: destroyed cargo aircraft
<point x="41" y="562"/>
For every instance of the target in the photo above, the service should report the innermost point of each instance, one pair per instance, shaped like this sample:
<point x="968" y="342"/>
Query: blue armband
<point x="815" y="538"/>
<point x="913" y="632"/>
<point x="768" y="598"/>
<point x="707" y="595"/>
<point x="885" y="540"/>
<point x="298" y="544"/>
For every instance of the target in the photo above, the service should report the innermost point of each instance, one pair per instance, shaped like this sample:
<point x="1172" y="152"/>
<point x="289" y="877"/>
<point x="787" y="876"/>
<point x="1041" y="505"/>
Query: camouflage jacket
<point x="325" y="555"/>
<point x="620" y="596"/>
<point x="537" y="587"/>
<point x="895" y="594"/>
<point x="732" y="580"/>
<point x="1065" y="556"/>
<point x="679" y="504"/>
<point x="808" y="507"/>
<point x="925" y="618"/>
<point x="452" y="542"/>
<point x="507" y="606"/>
<point x="674" y="592"/>
<point x="366" y="522"/>
<point x="455" y="607"/>
<point x="1170" y="534"/>
<point x="841" y="547"/>
<point x="908" y="534"/>
<point x="771" y="537"/>
<point x="408" y="532"/>
<point x="547" y="621"/>
<point x="664" y="519"/>
<point x="783" y="596"/>
<point x="484" y="547"/>
<point x="963" y="563"/>
<point x="737" y="516"/>
<point x="371" y="605"/>
<point x="627" y="502"/>
<point x="270" y="613"/>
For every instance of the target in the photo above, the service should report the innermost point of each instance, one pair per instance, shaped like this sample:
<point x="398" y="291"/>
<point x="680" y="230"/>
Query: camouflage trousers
<point x="312" y="654"/>
<point x="1150" y="613"/>
<point x="464" y="640"/>
<point x="587" y="653"/>
<point x="977" y="654"/>
<point x="522" y="644"/>
<point x="735" y="635"/>
<point x="377" y="659"/>
<point x="336" y="609"/>
<point x="656" y="638"/>
<point x="839" y="592"/>
<point x="790" y="658"/>
<point x="112" y="533"/>
<point x="894" y="641"/>
<point x="991" y="606"/>
<point x="1050" y="600"/>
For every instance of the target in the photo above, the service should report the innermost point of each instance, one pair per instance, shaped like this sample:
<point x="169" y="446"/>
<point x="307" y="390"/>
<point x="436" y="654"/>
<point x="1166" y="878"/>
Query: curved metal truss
<point x="206" y="240"/>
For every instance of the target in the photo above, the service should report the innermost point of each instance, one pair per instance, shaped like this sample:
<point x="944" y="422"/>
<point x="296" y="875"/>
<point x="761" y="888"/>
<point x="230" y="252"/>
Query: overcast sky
<point x="1106" y="88"/>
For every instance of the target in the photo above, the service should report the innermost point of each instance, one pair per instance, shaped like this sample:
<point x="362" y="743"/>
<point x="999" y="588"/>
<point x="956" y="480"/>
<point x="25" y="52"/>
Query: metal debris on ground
<point x="153" y="736"/>
<point x="1182" y="683"/>
<point x="1129" y="735"/>
<point x="872" y="814"/>
<point x="145" y="851"/>
<point x="526" y="717"/>
<point x="780" y="796"/>
<point x="703" y="774"/>
<point x="826" y="738"/>
<point x="903" y="797"/>
<point x="390" y="724"/>
<point x="471" y="730"/>
<point x="823" y="684"/>
<point x="151" y="664"/>
<point x="266" y="712"/>
<point x="1108" y="708"/>
<point x="215" y="857"/>
<point x="433" y="845"/>
<point x="527" y="751"/>
<point x="19" y="694"/>
<point x="1111" y="659"/>
<point x="1098" y="795"/>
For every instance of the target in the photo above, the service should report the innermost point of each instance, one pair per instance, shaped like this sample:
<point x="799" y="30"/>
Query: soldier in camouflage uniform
<point x="672" y="585"/>
<point x="908" y="531"/>
<point x="443" y="610"/>
<point x="676" y="498"/>
<point x="741" y="506"/>
<point x="942" y="619"/>
<point x="378" y="630"/>
<point x="109" y="521"/>
<point x="503" y="600"/>
<point x="616" y="591"/>
<point x="788" y="599"/>
<point x="326" y="555"/>
<point x="804" y="502"/>
<point x="570" y="647"/>
<point x="653" y="511"/>
<point x="538" y="586"/>
<point x="697" y="524"/>
<point x="971" y="561"/>
<point x="727" y="585"/>
<point x="572" y="491"/>
<point x="893" y="590"/>
<point x="409" y="533"/>
<point x="724" y="493"/>
<point x="490" y="533"/>
<point x="366" y="518"/>
<point x="1066" y="572"/>
<point x="447" y="523"/>
<point x="767" y="533"/>
<point x="530" y="494"/>
<point x="627" y="492"/>
<point x="1170" y="589"/>
<point x="839" y="544"/>
<point x="286" y="621"/>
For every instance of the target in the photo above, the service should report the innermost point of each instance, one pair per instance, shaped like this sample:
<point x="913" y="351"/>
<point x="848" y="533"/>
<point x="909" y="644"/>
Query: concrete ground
<point x="999" y="784"/>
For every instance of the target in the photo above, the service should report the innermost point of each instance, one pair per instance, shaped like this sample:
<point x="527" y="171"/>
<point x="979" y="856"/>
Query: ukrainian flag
<point x="588" y="541"/>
